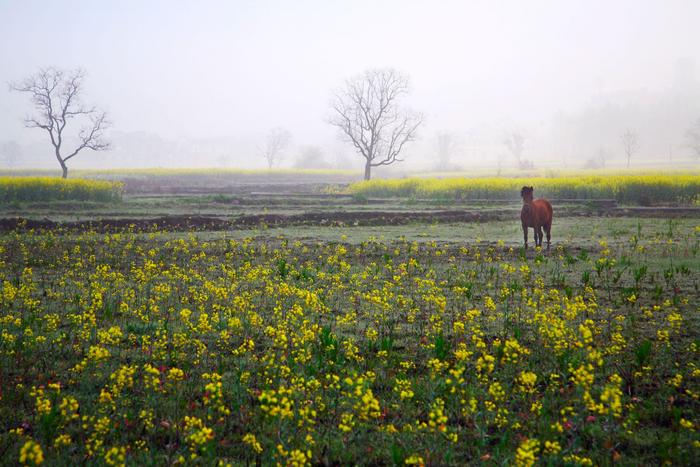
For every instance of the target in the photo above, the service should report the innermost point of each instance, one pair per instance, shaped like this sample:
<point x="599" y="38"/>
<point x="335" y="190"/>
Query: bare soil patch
<point x="330" y="218"/>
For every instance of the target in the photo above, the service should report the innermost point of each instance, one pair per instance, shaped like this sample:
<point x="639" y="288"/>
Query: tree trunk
<point x="57" y="153"/>
<point x="368" y="168"/>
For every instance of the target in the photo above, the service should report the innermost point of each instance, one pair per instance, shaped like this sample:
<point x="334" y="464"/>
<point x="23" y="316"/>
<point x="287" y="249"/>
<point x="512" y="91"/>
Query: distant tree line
<point x="369" y="113"/>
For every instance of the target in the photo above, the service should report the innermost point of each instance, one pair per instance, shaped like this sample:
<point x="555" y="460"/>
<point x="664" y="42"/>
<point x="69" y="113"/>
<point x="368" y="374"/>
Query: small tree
<point x="446" y="143"/>
<point x="692" y="135"/>
<point x="275" y="143"/>
<point x="56" y="96"/>
<point x="515" y="143"/>
<point x="597" y="162"/>
<point x="367" y="113"/>
<point x="630" y="144"/>
<point x="500" y="162"/>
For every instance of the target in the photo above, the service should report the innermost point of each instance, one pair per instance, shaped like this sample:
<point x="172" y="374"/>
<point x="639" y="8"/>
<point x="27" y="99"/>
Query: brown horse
<point x="536" y="214"/>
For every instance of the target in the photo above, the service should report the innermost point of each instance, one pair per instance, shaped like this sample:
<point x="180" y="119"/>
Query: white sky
<point x="220" y="69"/>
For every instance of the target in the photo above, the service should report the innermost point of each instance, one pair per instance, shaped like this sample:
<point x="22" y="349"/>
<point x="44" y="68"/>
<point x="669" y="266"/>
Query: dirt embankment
<point x="241" y="185"/>
<point x="335" y="218"/>
<point x="184" y="223"/>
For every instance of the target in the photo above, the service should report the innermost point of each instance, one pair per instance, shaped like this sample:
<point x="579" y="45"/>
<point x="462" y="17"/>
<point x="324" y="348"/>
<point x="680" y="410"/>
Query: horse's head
<point x="527" y="193"/>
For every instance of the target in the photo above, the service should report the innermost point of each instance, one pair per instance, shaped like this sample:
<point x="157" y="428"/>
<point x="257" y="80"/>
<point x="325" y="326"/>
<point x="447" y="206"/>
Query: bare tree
<point x="597" y="162"/>
<point x="368" y="115"/>
<point x="515" y="143"/>
<point x="446" y="143"/>
<point x="56" y="96"/>
<point x="692" y="135"/>
<point x="500" y="162"/>
<point x="275" y="143"/>
<point x="630" y="144"/>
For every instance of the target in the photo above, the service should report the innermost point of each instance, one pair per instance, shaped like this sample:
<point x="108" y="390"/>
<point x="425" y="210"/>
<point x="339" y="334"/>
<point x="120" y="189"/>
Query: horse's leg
<point x="538" y="236"/>
<point x="548" y="229"/>
<point x="525" y="235"/>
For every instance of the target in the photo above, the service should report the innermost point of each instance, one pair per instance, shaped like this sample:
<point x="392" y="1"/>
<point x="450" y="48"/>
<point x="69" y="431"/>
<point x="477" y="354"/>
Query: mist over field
<point x="335" y="232"/>
<point x="499" y="84"/>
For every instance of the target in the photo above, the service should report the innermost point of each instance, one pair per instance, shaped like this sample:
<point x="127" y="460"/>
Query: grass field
<point x="426" y="343"/>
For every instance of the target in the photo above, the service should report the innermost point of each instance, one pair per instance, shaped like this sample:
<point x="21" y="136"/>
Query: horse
<point x="536" y="214"/>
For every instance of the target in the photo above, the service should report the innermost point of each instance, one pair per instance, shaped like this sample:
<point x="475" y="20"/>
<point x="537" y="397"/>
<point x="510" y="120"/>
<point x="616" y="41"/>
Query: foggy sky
<point x="233" y="69"/>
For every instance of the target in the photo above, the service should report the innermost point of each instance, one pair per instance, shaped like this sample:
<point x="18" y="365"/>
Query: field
<point x="296" y="324"/>
<point x="16" y="189"/>
<point x="644" y="189"/>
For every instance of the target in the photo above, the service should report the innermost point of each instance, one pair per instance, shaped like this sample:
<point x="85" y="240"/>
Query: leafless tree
<point x="599" y="161"/>
<point x="500" y="162"/>
<point x="446" y="143"/>
<point x="692" y="135"/>
<point x="368" y="114"/>
<point x="275" y="143"/>
<point x="515" y="143"/>
<point x="630" y="143"/>
<point x="56" y="96"/>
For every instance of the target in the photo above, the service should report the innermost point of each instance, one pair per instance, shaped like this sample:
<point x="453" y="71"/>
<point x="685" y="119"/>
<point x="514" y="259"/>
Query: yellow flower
<point x="43" y="403"/>
<point x="346" y="422"/>
<point x="415" y="459"/>
<point x="512" y="350"/>
<point x="31" y="453"/>
<point x="527" y="381"/>
<point x="611" y="398"/>
<point x="175" y="374"/>
<point x="116" y="456"/>
<point x="526" y="454"/>
<point x="687" y="424"/>
<point x="252" y="441"/>
<point x="437" y="417"/>
<point x="62" y="440"/>
<point x="403" y="388"/>
<point x="552" y="447"/>
<point x="578" y="460"/>
<point x="69" y="408"/>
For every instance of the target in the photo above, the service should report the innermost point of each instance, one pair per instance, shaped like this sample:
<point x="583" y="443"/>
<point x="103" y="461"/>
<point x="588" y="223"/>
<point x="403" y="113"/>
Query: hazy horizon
<point x="209" y="79"/>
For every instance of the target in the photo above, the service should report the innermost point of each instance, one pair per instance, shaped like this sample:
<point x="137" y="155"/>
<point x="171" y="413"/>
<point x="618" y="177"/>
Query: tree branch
<point x="91" y="138"/>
